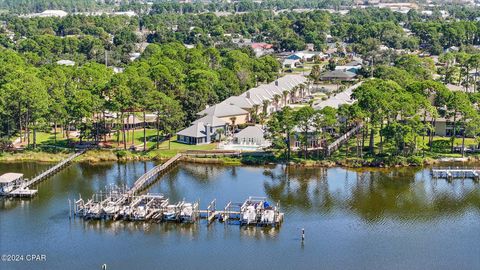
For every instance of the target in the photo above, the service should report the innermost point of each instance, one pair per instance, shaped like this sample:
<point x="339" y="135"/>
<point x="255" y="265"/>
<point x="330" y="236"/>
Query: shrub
<point x="121" y="153"/>
<point x="415" y="160"/>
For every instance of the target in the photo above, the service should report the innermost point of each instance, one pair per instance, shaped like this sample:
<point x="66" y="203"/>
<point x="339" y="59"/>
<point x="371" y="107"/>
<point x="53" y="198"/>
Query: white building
<point x="47" y="13"/>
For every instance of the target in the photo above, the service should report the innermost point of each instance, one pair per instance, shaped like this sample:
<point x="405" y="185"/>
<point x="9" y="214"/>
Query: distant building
<point x="262" y="48"/>
<point x="65" y="62"/>
<point x="353" y="66"/>
<point x="338" y="75"/>
<point x="47" y="13"/>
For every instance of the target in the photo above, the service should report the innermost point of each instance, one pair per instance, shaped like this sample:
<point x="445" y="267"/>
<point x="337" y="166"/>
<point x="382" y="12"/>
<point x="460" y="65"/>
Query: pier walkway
<point x="148" y="178"/>
<point x="451" y="173"/>
<point x="344" y="138"/>
<point x="24" y="189"/>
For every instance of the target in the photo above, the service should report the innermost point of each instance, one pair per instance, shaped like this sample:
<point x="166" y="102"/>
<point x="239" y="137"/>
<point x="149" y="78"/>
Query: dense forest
<point x="85" y="38"/>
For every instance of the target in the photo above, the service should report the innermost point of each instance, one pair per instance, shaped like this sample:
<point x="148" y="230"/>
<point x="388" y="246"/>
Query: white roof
<point x="66" y="62"/>
<point x="250" y="132"/>
<point x="223" y="110"/>
<point x="211" y="120"/>
<point x="10" y="177"/>
<point x="196" y="130"/>
<point x="339" y="99"/>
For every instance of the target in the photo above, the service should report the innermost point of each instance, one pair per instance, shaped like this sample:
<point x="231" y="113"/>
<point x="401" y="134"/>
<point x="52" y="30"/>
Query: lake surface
<point x="381" y="219"/>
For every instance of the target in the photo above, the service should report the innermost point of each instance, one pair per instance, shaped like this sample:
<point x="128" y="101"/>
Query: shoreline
<point x="100" y="156"/>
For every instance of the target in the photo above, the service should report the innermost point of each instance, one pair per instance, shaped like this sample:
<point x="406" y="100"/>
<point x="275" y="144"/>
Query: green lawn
<point x="163" y="150"/>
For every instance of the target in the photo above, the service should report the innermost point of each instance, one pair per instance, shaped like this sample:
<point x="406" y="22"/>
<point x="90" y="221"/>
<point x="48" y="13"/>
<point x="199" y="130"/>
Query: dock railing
<point x="147" y="179"/>
<point x="50" y="171"/>
<point x="342" y="139"/>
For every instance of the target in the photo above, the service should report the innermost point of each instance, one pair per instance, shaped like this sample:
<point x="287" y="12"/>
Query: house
<point x="261" y="48"/>
<point x="296" y="58"/>
<point x="9" y="182"/>
<point x="251" y="135"/>
<point x="338" y="75"/>
<point x="238" y="110"/>
<point x="313" y="139"/>
<point x="203" y="130"/>
<point x="231" y="114"/>
<point x="216" y="124"/>
<point x="198" y="133"/>
<point x="352" y="66"/>
<point x="338" y="99"/>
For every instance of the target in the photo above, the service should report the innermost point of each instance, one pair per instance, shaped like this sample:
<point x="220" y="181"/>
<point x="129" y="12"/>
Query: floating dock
<point x="118" y="204"/>
<point x="456" y="173"/>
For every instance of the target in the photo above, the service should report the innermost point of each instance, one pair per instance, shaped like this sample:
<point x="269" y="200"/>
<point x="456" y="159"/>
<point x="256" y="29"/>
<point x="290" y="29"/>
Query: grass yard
<point x="175" y="147"/>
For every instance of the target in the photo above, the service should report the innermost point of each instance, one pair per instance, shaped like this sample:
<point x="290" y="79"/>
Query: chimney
<point x="248" y="94"/>
<point x="207" y="133"/>
<point x="276" y="83"/>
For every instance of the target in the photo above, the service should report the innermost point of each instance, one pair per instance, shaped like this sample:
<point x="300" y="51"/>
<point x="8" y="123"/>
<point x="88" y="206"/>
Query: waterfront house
<point x="198" y="133"/>
<point x="231" y="114"/>
<point x="251" y="135"/>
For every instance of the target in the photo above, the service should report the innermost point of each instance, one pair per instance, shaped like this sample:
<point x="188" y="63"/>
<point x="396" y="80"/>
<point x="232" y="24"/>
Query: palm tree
<point x="265" y="106"/>
<point x="232" y="120"/>
<point x="276" y="100"/>
<point x="285" y="95"/>
<point x="219" y="132"/>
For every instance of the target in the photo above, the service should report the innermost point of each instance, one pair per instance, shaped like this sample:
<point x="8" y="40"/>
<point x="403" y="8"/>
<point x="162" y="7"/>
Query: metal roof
<point x="250" y="132"/>
<point x="196" y="130"/>
<point x="223" y="110"/>
<point x="10" y="177"/>
<point x="211" y="120"/>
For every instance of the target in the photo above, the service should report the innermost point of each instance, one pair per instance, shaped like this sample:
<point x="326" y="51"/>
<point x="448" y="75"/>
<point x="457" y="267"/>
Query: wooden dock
<point x="342" y="139"/>
<point x="148" y="178"/>
<point x="456" y="173"/>
<point x="24" y="189"/>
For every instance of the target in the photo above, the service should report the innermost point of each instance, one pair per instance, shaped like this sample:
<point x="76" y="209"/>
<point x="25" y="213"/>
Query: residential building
<point x="251" y="135"/>
<point x="338" y="75"/>
<point x="231" y="114"/>
<point x="198" y="133"/>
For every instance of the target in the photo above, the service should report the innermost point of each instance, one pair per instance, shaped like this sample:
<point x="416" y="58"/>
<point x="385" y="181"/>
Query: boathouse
<point x="9" y="181"/>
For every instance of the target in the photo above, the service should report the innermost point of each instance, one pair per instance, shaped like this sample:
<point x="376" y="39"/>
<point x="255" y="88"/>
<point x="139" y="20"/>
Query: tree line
<point x="84" y="38"/>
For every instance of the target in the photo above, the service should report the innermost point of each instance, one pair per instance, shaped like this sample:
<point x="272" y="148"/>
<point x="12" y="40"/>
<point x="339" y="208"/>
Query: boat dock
<point x="148" y="178"/>
<point x="22" y="188"/>
<point x="118" y="204"/>
<point x="342" y="139"/>
<point x="456" y="173"/>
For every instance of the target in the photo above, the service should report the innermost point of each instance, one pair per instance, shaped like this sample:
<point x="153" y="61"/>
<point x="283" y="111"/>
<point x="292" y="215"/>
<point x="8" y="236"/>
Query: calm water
<point x="397" y="219"/>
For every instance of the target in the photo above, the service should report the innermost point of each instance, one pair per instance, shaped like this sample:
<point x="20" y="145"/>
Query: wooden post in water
<point x="303" y="234"/>
<point x="69" y="208"/>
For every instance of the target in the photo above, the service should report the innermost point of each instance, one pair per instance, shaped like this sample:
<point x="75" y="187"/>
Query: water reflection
<point x="372" y="195"/>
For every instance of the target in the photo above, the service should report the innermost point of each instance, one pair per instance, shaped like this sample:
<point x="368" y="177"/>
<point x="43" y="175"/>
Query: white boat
<point x="171" y="213"/>
<point x="249" y="215"/>
<point x="268" y="216"/>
